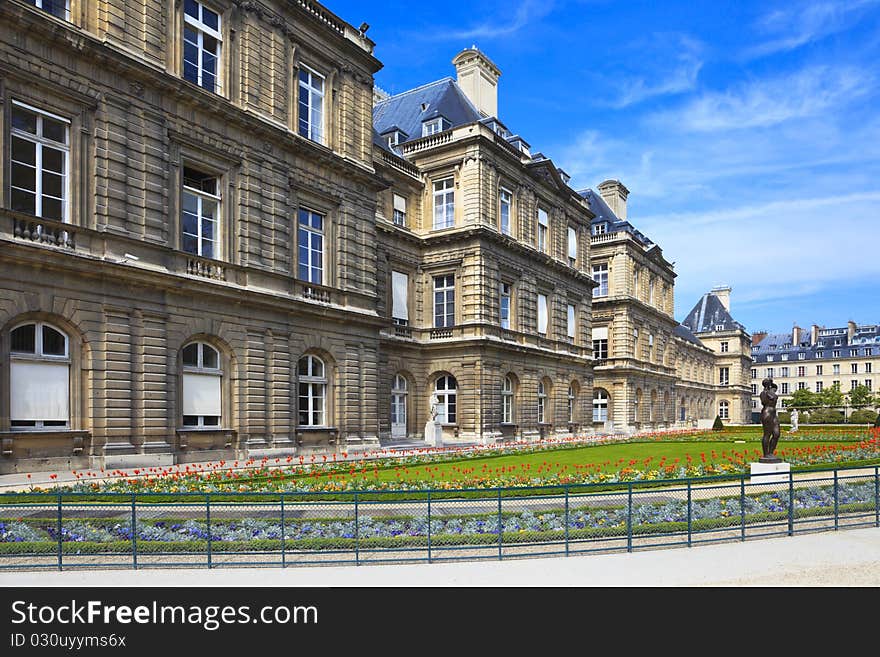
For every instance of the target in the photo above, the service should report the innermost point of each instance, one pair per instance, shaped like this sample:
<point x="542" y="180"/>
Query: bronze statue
<point x="770" y="422"/>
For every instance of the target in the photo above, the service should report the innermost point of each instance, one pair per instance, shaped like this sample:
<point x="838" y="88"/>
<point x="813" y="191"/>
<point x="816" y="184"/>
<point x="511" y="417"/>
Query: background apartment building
<point x="816" y="359"/>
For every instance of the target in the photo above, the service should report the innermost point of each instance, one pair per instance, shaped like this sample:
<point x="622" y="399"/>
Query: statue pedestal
<point x="433" y="434"/>
<point x="770" y="473"/>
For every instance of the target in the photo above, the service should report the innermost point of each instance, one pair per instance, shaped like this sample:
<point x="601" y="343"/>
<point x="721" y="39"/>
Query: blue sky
<point x="748" y="133"/>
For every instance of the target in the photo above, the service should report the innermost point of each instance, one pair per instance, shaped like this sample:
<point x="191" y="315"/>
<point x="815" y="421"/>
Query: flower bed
<point x="94" y="535"/>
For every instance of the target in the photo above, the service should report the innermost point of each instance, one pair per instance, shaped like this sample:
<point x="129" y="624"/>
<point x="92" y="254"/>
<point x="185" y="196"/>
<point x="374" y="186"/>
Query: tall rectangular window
<point x="505" y="200"/>
<point x="868" y="384"/>
<point x="600" y="275"/>
<point x="400" y="298"/>
<point x="868" y="368"/>
<point x="835" y="369"/>
<point x="201" y="46"/>
<point x="784" y="371"/>
<point x="505" y="305"/>
<point x="310" y="239"/>
<point x="802" y="370"/>
<point x="600" y="342"/>
<point x="444" y="301"/>
<point x="543" y="230"/>
<point x="724" y="376"/>
<point x="542" y="314"/>
<point x="784" y="388"/>
<point x="444" y="203"/>
<point x="572" y="246"/>
<point x="570" y="322"/>
<point x="40" y="147"/>
<point x="725" y="347"/>
<point x="58" y="8"/>
<point x="818" y="370"/>
<point x="311" y="105"/>
<point x="200" y="213"/>
<point x="818" y="386"/>
<point x="854" y="368"/>
<point x="399" y="210"/>
<point x="853" y="384"/>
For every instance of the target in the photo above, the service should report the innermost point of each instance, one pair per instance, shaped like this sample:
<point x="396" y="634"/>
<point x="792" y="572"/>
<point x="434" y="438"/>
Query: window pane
<point x="190" y="244"/>
<point x="52" y="209"/>
<point x="24" y="339"/>
<point x="24" y="177"/>
<point x="190" y="420"/>
<point x="23" y="119"/>
<point x="53" y="184"/>
<point x="53" y="342"/>
<point x="24" y="202"/>
<point x="24" y="151"/>
<point x="207" y="249"/>
<point x="317" y="367"/>
<point x="209" y="81"/>
<point x="191" y="355"/>
<point x="55" y="130"/>
<point x="210" y="357"/>
<point x="191" y="7"/>
<point x="303" y="366"/>
<point x="210" y="18"/>
<point x="211" y="420"/>
<point x="53" y="160"/>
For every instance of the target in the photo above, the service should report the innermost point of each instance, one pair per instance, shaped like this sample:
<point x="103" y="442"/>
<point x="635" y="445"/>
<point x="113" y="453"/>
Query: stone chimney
<point x="850" y="331"/>
<point x="814" y="334"/>
<point x="478" y="78"/>
<point x="758" y="336"/>
<point x="614" y="193"/>
<point x="723" y="294"/>
<point x="796" y="335"/>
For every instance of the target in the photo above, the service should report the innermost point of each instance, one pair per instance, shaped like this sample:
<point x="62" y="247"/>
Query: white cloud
<point x="525" y="13"/>
<point x="770" y="101"/>
<point x="682" y="77"/>
<point x="795" y="26"/>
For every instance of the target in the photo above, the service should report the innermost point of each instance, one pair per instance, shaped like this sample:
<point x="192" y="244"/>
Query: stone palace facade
<point x="219" y="240"/>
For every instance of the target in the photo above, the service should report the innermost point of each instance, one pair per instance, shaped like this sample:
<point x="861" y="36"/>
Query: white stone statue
<point x="433" y="430"/>
<point x="794" y="421"/>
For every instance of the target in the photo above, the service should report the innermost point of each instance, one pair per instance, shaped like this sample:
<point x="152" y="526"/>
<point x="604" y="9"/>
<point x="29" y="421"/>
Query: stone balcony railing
<point x="150" y="259"/>
<point x="484" y="331"/>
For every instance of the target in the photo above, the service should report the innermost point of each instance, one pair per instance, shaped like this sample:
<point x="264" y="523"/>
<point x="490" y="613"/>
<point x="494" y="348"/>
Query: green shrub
<point x="784" y="417"/>
<point x="863" y="416"/>
<point x="718" y="425"/>
<point x="826" y="416"/>
<point x="877" y="421"/>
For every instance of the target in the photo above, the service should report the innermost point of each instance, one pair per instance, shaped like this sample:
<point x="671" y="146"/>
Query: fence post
<point x="742" y="507"/>
<point x="283" y="536"/>
<point x="429" y="526"/>
<point x="790" y="503"/>
<point x="357" y="533"/>
<point x="877" y="496"/>
<point x="689" y="514"/>
<point x="566" y="520"/>
<point x="629" y="518"/>
<point x="59" y="527"/>
<point x="500" y="524"/>
<point x="836" y="507"/>
<point x="208" y="523"/>
<point x="134" y="544"/>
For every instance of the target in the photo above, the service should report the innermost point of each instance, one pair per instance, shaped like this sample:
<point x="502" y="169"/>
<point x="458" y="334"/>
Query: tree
<point x="718" y="425"/>
<point x="802" y="399"/>
<point x="861" y="397"/>
<point x="830" y="397"/>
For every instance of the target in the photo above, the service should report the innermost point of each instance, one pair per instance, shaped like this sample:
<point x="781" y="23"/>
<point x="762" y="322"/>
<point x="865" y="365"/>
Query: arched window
<point x="724" y="410"/>
<point x="637" y="402"/>
<point x="682" y="410"/>
<point x="543" y="410"/>
<point x="652" y="405"/>
<point x="572" y="401"/>
<point x="399" y="395"/>
<point x="507" y="400"/>
<point x="600" y="405"/>
<point x="446" y="389"/>
<point x="312" y="377"/>
<point x="39" y="377"/>
<point x="201" y="386"/>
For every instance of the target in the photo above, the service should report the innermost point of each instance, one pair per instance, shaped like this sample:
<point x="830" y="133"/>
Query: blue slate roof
<point x="404" y="111"/>
<point x="710" y="315"/>
<point x="774" y="346"/>
<point x="605" y="214"/>
<point x="684" y="332"/>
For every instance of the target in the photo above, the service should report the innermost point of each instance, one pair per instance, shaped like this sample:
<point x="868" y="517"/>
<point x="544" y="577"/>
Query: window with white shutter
<point x="400" y="298"/>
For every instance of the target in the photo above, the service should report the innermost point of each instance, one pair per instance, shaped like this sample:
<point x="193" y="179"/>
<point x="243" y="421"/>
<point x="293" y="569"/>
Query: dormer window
<point x="433" y="126"/>
<point x="600" y="229"/>
<point x="394" y="138"/>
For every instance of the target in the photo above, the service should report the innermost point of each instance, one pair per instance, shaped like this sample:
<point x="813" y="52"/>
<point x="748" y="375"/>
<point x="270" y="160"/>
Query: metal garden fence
<point x="143" y="530"/>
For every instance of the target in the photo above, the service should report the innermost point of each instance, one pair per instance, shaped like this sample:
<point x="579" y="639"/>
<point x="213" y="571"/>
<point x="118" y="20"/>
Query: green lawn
<point x="608" y="458"/>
